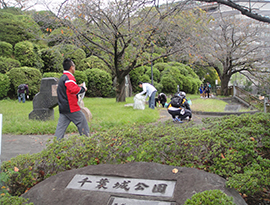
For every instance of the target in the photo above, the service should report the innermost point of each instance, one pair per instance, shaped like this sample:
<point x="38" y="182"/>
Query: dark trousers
<point x="78" y="118"/>
<point x="175" y="113"/>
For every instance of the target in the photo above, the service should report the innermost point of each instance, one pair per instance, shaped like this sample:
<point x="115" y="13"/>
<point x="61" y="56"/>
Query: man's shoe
<point x="179" y="120"/>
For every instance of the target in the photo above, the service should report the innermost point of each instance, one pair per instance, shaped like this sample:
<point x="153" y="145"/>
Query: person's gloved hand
<point x="27" y="96"/>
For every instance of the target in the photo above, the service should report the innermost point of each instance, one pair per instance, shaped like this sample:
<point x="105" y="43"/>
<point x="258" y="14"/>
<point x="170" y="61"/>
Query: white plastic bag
<point x="139" y="102"/>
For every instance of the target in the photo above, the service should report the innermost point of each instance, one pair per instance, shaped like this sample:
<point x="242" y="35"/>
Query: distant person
<point x="207" y="89"/>
<point x="70" y="111"/>
<point x="150" y="91"/>
<point x="161" y="99"/>
<point x="21" y="91"/>
<point x="201" y="90"/>
<point x="179" y="108"/>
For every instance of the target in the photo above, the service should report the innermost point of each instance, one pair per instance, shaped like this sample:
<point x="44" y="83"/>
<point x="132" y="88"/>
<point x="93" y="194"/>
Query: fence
<point x="248" y="99"/>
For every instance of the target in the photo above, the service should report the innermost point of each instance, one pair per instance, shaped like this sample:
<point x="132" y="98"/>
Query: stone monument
<point x="45" y="100"/>
<point x="136" y="183"/>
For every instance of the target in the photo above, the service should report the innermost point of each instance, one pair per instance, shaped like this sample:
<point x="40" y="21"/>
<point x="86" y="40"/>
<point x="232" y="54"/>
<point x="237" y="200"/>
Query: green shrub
<point x="4" y="85"/>
<point x="27" y="54"/>
<point x="75" y="152"/>
<point x="181" y="75"/>
<point x="80" y="77"/>
<point x="99" y="83"/>
<point x="93" y="62"/>
<point x="161" y="66"/>
<point x="145" y="79"/>
<point x="7" y="199"/>
<point x="158" y="86"/>
<point x="254" y="176"/>
<point x="16" y="28"/>
<point x="52" y="74"/>
<point x="6" y="49"/>
<point x="169" y="84"/>
<point x="156" y="74"/>
<point x="23" y="75"/>
<point x="6" y="64"/>
<point x="74" y="53"/>
<point x="135" y="77"/>
<point x="52" y="60"/>
<point x="210" y="197"/>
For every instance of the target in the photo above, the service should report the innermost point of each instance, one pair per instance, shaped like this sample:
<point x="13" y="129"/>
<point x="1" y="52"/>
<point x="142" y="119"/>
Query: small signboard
<point x="123" y="185"/>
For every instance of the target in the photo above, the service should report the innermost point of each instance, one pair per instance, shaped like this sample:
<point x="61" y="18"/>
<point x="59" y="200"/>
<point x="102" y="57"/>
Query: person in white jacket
<point x="150" y="91"/>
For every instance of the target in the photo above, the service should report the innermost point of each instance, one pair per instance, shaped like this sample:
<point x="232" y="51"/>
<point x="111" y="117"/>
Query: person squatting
<point x="179" y="108"/>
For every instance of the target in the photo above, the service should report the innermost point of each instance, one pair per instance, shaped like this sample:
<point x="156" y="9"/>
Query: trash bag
<point x="139" y="102"/>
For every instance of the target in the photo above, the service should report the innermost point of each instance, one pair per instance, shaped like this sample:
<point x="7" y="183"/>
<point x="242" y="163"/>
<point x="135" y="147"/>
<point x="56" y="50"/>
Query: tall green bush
<point x="93" y="62"/>
<point x="156" y="74"/>
<point x="14" y="28"/>
<point x="161" y="66"/>
<point x="23" y="75"/>
<point x="6" y="64"/>
<point x="73" y="52"/>
<point x="99" y="83"/>
<point x="4" y="85"/>
<point x="27" y="54"/>
<point x="158" y="86"/>
<point x="181" y="75"/>
<point x="6" y="49"/>
<point x="135" y="77"/>
<point x="145" y="79"/>
<point x="52" y="60"/>
<point x="80" y="77"/>
<point x="169" y="84"/>
<point x="52" y="74"/>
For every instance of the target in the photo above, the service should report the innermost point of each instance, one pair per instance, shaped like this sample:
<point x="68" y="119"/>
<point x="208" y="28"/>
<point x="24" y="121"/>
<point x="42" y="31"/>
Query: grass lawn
<point x="208" y="105"/>
<point x="107" y="113"/>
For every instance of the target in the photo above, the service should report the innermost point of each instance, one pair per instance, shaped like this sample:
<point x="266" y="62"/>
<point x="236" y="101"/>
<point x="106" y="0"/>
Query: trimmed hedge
<point x="23" y="75"/>
<point x="27" y="54"/>
<point x="93" y="62"/>
<point x="6" y="49"/>
<point x="80" y="77"/>
<point x="73" y="52"/>
<point x="6" y="64"/>
<point x="52" y="74"/>
<point x="52" y="60"/>
<point x="4" y="85"/>
<point x="99" y="83"/>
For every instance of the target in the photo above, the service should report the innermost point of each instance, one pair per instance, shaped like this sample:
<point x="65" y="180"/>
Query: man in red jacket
<point x="69" y="110"/>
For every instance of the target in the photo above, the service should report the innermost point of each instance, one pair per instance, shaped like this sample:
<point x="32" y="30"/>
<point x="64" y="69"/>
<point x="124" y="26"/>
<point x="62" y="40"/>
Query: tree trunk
<point x="224" y="84"/>
<point x="120" y="90"/>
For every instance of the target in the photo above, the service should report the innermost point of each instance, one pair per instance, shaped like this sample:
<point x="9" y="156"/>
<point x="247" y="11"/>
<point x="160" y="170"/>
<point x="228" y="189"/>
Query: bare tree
<point x="231" y="45"/>
<point x="122" y="33"/>
<point x="22" y="4"/>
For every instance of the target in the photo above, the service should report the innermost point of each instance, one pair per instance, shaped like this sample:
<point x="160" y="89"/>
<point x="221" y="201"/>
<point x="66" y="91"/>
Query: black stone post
<point x="45" y="100"/>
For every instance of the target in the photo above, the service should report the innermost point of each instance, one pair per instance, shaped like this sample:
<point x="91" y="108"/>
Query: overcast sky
<point x="54" y="4"/>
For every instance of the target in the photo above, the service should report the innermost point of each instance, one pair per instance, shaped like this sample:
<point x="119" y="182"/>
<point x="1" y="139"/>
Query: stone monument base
<point x="42" y="114"/>
<point x="133" y="183"/>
